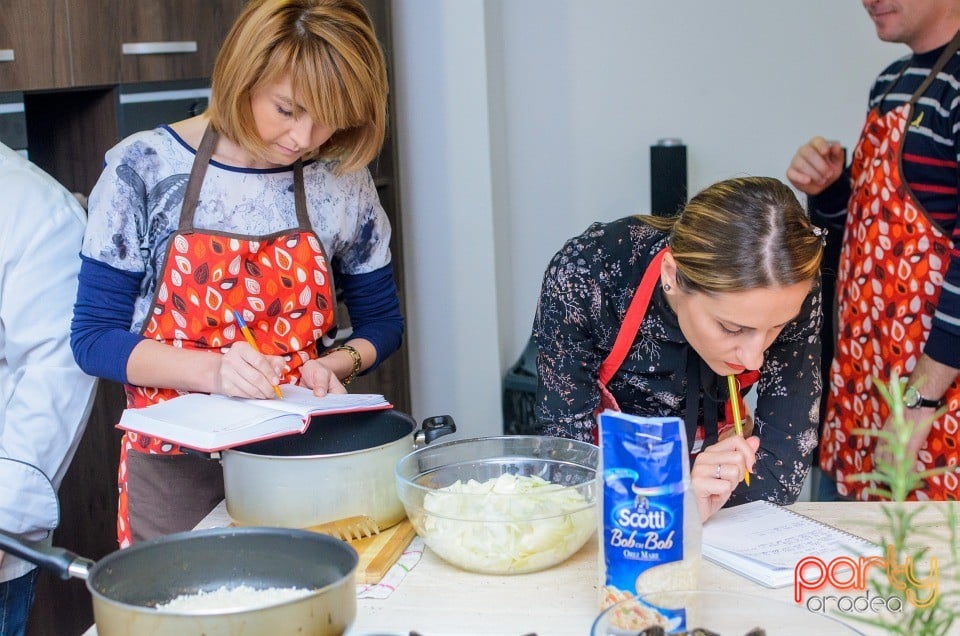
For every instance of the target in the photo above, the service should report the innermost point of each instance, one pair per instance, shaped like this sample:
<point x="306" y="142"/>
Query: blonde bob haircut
<point x="742" y="234"/>
<point x="330" y="53"/>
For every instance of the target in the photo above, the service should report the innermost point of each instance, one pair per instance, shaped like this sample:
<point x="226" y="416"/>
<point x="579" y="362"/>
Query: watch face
<point x="911" y="397"/>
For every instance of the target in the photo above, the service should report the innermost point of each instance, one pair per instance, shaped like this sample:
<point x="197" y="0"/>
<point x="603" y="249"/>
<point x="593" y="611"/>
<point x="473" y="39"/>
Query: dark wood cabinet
<point x="94" y="54"/>
<point x="173" y="39"/>
<point x="58" y="44"/>
<point x="69" y="132"/>
<point x="34" y="45"/>
<point x="71" y="96"/>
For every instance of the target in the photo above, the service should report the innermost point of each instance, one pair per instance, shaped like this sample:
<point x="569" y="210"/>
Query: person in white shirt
<point x="45" y="398"/>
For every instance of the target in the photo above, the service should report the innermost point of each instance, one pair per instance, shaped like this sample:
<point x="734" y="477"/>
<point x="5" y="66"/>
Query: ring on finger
<point x="719" y="468"/>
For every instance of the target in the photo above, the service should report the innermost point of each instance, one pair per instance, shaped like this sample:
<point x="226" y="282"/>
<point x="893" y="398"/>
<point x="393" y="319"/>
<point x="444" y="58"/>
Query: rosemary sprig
<point x="894" y="477"/>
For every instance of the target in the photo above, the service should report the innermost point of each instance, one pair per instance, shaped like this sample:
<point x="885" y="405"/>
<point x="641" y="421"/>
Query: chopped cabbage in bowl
<point x="509" y="524"/>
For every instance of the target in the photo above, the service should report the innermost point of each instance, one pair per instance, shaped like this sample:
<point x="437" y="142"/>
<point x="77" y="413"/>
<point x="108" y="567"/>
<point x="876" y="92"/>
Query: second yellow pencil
<point x="735" y="407"/>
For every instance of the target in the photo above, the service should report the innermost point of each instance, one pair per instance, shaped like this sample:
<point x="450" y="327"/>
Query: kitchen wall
<point x="522" y="121"/>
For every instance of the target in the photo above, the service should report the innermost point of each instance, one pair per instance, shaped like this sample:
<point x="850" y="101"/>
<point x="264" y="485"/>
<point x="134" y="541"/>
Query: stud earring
<point x="666" y="287"/>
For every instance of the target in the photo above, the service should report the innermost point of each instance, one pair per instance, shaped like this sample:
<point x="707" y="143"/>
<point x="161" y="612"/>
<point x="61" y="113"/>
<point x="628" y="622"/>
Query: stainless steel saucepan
<point x="342" y="466"/>
<point x="128" y="584"/>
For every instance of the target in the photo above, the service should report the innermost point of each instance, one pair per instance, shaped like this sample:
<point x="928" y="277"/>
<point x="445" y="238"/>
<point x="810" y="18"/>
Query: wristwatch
<point x="913" y="400"/>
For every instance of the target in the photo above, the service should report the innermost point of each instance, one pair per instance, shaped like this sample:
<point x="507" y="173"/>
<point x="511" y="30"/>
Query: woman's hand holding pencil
<point x="718" y="470"/>
<point x="245" y="371"/>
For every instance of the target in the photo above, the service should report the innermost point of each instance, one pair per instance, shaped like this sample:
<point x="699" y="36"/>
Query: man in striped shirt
<point x="898" y="276"/>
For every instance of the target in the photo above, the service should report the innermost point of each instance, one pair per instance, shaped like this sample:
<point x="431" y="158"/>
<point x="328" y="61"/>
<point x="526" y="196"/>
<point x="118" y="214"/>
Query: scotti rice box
<point x="649" y="525"/>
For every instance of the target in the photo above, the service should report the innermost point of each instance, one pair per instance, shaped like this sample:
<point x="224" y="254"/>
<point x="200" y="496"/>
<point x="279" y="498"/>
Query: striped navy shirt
<point x="930" y="167"/>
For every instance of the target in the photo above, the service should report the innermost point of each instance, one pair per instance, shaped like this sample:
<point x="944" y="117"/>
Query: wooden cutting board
<point x="379" y="552"/>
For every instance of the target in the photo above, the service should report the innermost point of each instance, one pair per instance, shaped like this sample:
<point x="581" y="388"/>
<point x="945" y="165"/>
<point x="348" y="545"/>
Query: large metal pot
<point x="127" y="585"/>
<point x="342" y="466"/>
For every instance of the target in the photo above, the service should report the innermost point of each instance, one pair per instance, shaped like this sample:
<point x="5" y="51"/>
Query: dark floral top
<point x="586" y="291"/>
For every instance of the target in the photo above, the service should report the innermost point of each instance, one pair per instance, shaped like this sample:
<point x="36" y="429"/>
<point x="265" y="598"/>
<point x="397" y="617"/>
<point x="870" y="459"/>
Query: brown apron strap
<point x="300" y="198"/>
<point x="941" y="62"/>
<point x="199" y="170"/>
<point x="195" y="182"/>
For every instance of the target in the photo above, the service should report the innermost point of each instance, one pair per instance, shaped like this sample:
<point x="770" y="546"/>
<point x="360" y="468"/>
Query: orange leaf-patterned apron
<point x="282" y="283"/>
<point x="889" y="280"/>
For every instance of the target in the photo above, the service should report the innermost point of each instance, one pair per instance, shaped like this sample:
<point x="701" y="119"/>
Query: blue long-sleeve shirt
<point x="102" y="341"/>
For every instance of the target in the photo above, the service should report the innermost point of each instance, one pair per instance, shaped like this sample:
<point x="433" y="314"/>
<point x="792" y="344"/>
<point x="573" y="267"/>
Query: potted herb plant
<point x="895" y="477"/>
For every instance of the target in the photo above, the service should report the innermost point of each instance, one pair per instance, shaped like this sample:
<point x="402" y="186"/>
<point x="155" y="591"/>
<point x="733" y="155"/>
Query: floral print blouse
<point x="586" y="290"/>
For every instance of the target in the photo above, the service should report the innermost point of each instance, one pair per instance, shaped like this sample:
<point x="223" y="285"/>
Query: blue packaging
<point x="650" y="528"/>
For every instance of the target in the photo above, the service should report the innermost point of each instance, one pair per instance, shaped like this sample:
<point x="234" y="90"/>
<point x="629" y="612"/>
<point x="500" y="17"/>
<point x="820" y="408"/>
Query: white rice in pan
<point x="240" y="598"/>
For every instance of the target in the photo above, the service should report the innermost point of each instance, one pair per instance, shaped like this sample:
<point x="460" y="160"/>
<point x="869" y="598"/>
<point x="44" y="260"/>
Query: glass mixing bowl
<point x="502" y="505"/>
<point x="726" y="613"/>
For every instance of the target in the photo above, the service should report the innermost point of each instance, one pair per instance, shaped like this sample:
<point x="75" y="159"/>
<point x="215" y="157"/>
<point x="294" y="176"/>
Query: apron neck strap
<point x="300" y="197"/>
<point x="631" y="321"/>
<point x="199" y="170"/>
<point x="700" y="376"/>
<point x="711" y="403"/>
<point x="195" y="182"/>
<point x="691" y="412"/>
<point x="945" y="57"/>
<point x="937" y="67"/>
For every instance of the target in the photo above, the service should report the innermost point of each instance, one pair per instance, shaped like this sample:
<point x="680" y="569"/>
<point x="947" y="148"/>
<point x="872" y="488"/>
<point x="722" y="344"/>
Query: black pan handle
<point x="60" y="561"/>
<point x="437" y="426"/>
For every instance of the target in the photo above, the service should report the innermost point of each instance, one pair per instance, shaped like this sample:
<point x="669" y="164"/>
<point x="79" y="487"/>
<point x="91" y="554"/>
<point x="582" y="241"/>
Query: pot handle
<point x="434" y="427"/>
<point x="200" y="454"/>
<point x="58" y="560"/>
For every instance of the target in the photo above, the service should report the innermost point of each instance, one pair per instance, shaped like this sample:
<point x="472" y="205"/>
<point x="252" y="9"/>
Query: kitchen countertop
<point x="437" y="599"/>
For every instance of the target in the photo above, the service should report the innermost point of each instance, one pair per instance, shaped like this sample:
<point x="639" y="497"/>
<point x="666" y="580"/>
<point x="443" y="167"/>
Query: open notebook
<point x="215" y="422"/>
<point x="763" y="542"/>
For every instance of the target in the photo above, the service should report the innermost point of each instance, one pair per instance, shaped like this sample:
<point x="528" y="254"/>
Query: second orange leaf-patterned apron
<point x="889" y="280"/>
<point x="282" y="283"/>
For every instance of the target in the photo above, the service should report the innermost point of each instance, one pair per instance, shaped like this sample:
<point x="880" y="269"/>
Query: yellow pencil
<point x="253" y="343"/>
<point x="735" y="407"/>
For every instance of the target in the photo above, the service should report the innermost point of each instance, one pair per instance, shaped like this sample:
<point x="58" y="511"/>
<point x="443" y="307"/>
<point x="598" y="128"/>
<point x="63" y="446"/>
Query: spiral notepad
<point x="763" y="542"/>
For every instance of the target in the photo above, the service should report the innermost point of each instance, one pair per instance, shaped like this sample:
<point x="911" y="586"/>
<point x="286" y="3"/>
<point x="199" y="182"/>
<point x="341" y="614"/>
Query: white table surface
<point x="437" y="599"/>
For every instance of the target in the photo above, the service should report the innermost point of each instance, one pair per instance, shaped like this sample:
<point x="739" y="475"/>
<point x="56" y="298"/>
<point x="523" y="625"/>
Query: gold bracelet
<point x="357" y="362"/>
